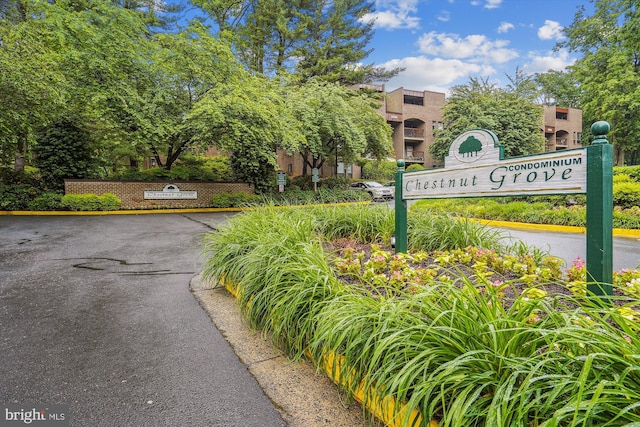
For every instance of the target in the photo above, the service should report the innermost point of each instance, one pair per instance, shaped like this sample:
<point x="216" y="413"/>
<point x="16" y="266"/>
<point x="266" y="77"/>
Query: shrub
<point x="232" y="200"/>
<point x="626" y="194"/>
<point x="16" y="197"/>
<point x="379" y="170"/>
<point x="632" y="171"/>
<point x="303" y="182"/>
<point x="415" y="168"/>
<point x="295" y="196"/>
<point x="46" y="202"/>
<point x="64" y="150"/>
<point x="334" y="182"/>
<point x="90" y="202"/>
<point x="622" y="177"/>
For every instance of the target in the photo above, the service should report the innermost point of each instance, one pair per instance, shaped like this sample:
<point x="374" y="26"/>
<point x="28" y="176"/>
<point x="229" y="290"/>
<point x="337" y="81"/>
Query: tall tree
<point x="609" y="70"/>
<point x="558" y="88"/>
<point x="185" y="68"/>
<point x="514" y="119"/>
<point x="309" y="38"/>
<point x="251" y="121"/>
<point x="337" y="122"/>
<point x="34" y="88"/>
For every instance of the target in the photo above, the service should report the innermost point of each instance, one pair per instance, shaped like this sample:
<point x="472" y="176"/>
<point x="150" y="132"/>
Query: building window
<point x="290" y="168"/>
<point x="577" y="138"/>
<point x="562" y="114"/>
<point x="414" y="100"/>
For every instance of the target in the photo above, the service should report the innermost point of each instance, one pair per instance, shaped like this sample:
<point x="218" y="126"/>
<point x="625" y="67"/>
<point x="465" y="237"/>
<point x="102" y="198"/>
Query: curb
<point x="617" y="232"/>
<point x="164" y="211"/>
<point x="386" y="408"/>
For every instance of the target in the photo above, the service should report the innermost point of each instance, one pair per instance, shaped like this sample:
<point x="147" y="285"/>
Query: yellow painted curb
<point x="166" y="211"/>
<point x="382" y="407"/>
<point x="620" y="232"/>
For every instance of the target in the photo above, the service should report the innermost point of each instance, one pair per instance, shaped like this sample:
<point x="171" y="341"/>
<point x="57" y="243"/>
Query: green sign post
<point x="600" y="212"/>
<point x="476" y="167"/>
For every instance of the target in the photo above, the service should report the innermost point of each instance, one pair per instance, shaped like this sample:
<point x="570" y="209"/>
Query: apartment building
<point x="414" y="115"/>
<point x="562" y="128"/>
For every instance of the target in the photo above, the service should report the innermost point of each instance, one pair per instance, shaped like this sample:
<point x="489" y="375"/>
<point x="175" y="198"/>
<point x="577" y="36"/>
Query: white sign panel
<point x="475" y="168"/>
<point x="170" y="191"/>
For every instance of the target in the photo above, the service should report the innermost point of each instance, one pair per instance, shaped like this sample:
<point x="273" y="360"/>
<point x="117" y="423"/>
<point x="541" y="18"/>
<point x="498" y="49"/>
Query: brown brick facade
<point x="132" y="192"/>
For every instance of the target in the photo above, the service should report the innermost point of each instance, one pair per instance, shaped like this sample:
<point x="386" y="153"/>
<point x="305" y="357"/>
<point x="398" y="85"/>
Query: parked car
<point x="377" y="191"/>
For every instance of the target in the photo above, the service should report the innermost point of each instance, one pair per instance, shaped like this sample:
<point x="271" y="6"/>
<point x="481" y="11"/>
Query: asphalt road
<point x="96" y="313"/>
<point x="571" y="246"/>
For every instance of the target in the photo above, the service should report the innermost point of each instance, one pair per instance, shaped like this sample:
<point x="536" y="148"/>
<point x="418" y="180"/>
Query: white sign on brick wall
<point x="170" y="191"/>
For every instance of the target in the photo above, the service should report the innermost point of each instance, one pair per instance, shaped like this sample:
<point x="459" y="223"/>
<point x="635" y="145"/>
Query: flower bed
<point x="441" y="343"/>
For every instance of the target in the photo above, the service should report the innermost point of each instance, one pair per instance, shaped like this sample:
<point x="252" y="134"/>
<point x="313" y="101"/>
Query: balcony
<point x="414" y="133"/>
<point x="394" y="117"/>
<point x="561" y="142"/>
<point x="414" y="157"/>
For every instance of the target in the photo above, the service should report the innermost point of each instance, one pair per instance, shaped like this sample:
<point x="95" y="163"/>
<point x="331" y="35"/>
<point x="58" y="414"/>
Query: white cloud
<point x="422" y="73"/>
<point x="475" y="48"/>
<point x="394" y="14"/>
<point x="557" y="61"/>
<point x="492" y="4"/>
<point x="505" y="27"/>
<point x="444" y="16"/>
<point x="551" y="30"/>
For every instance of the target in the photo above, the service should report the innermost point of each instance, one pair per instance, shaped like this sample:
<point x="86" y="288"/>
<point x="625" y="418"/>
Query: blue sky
<point x="442" y="43"/>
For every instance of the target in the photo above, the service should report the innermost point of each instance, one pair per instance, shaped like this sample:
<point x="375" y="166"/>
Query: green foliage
<point x="218" y="169"/>
<point x="233" y="200"/>
<point x="16" y="197"/>
<point x="272" y="36"/>
<point x="631" y="171"/>
<point x="415" y="168"/>
<point x="26" y="177"/>
<point x="334" y="183"/>
<point x="336" y="121"/>
<point x="90" y="202"/>
<point x="558" y="88"/>
<point x="379" y="170"/>
<point x="480" y="352"/>
<point x="64" y="151"/>
<point x="534" y="210"/>
<point x="250" y="120"/>
<point x="514" y="118"/>
<point x="296" y="196"/>
<point x="302" y="182"/>
<point x="46" y="202"/>
<point x="626" y="194"/>
<point x="607" y="71"/>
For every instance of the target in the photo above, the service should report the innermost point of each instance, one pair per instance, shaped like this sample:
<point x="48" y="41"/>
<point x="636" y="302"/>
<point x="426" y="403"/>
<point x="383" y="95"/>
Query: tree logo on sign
<point x="470" y="147"/>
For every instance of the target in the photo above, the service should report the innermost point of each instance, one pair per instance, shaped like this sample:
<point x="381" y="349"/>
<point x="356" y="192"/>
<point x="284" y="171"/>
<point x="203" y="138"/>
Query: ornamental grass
<point x="459" y="330"/>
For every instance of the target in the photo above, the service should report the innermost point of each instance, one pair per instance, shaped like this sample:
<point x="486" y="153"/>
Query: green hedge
<point x="90" y="202"/>
<point x="626" y="194"/>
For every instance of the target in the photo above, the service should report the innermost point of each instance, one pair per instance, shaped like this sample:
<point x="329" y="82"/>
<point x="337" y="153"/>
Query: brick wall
<point x="132" y="192"/>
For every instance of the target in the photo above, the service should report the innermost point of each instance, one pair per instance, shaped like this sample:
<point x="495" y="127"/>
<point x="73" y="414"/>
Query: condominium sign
<point x="475" y="167"/>
<point x="170" y="191"/>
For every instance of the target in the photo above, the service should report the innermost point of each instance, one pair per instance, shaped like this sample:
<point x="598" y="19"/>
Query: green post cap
<point x="600" y="130"/>
<point x="400" y="163"/>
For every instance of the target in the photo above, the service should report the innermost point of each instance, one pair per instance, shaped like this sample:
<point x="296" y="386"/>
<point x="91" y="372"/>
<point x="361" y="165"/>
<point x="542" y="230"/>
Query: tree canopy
<point x="609" y="70"/>
<point x="337" y="122"/>
<point x="120" y="72"/>
<point x="514" y="118"/>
